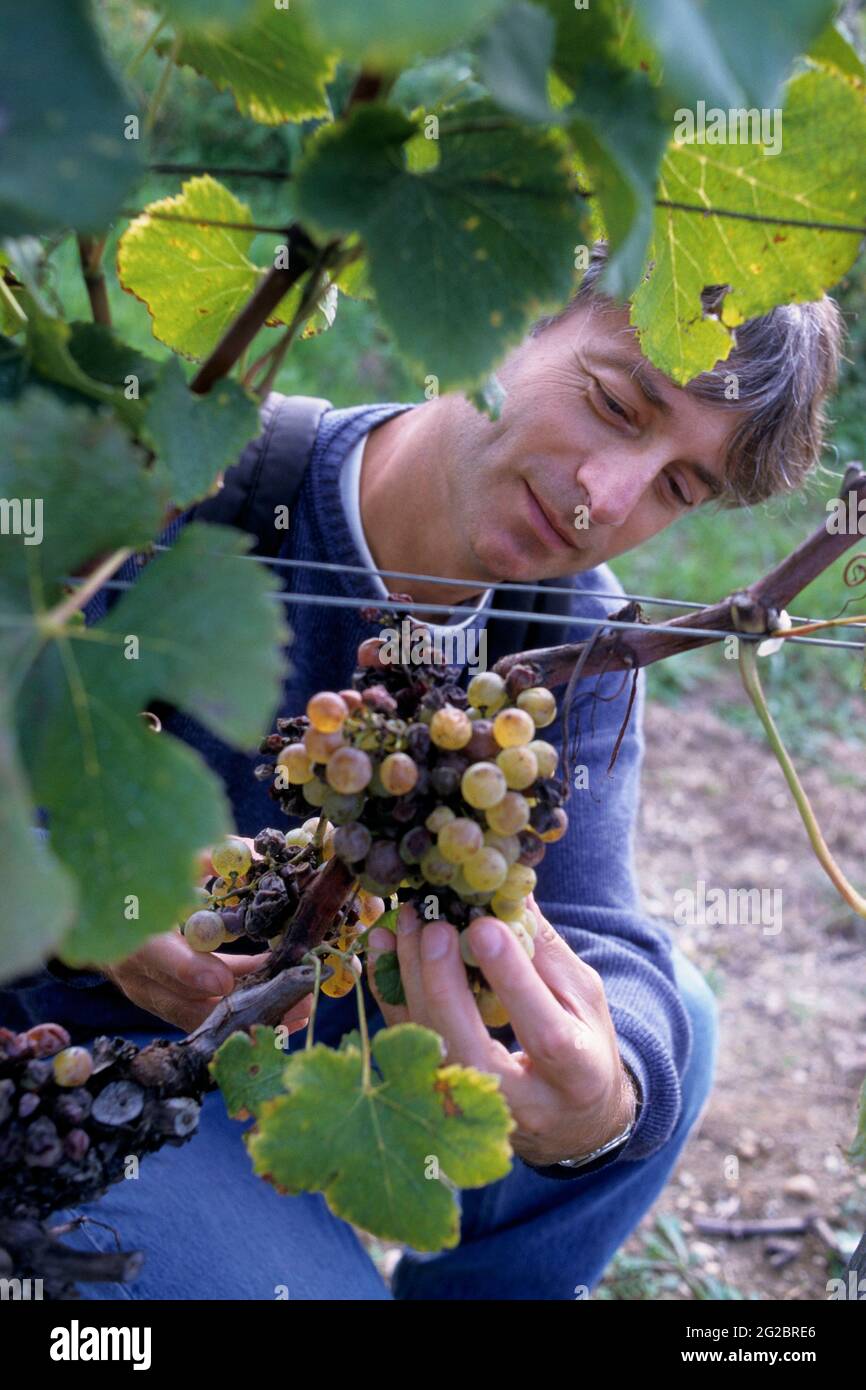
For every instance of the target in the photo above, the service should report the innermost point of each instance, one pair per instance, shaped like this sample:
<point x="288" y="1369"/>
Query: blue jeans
<point x="211" y="1229"/>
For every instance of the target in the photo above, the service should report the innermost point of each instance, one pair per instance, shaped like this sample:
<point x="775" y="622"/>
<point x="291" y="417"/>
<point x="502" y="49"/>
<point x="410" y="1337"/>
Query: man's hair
<point x="785" y="363"/>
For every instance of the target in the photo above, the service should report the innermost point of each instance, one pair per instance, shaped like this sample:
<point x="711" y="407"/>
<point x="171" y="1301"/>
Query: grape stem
<point x="366" y="1071"/>
<point x="748" y="663"/>
<point x="52" y="622"/>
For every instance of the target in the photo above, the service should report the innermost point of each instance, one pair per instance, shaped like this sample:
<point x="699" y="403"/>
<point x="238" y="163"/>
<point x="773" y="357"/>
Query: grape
<point x="204" y="930"/>
<point x="328" y="846"/>
<point x="485" y="870"/>
<point x="340" y="809"/>
<point x="76" y="1144"/>
<point x="73" y="1107"/>
<point x="510" y="815"/>
<point x="224" y="894"/>
<point x="270" y="844"/>
<point x="320" y="747"/>
<point x="505" y="908"/>
<point x="459" y="839"/>
<point x="346" y="972"/>
<point x="349" y="770"/>
<point x="314" y="792"/>
<point x="482" y="744"/>
<point x="46" y="1039"/>
<point x="436" y="869"/>
<point x="352" y="841"/>
<point x="327" y="711"/>
<point x="398" y="773"/>
<point x="463" y="888"/>
<point x="519" y="765"/>
<point x="296" y="763"/>
<point x="513" y="727"/>
<point x="466" y="950"/>
<point x="519" y="881"/>
<point x="233" y="857"/>
<point x="486" y="691"/>
<point x="445" y="776"/>
<point x="351" y="698"/>
<point x="483" y="785"/>
<point x="545" y="755"/>
<point x="312" y="825"/>
<point x="405" y="809"/>
<point x="418" y="741"/>
<point x="539" y="704"/>
<point x="530" y="921"/>
<point x="492" y="1010"/>
<point x="27" y="1104"/>
<point x="368" y="652"/>
<point x="532" y="851"/>
<point x="414" y="844"/>
<point x="73" y="1066"/>
<point x="370" y="909"/>
<point x="558" y="829"/>
<point x="234" y="923"/>
<point x="438" y="817"/>
<point x="450" y="728"/>
<point x="383" y="862"/>
<point x="517" y="928"/>
<point x="508" y="845"/>
<point x="520" y="677"/>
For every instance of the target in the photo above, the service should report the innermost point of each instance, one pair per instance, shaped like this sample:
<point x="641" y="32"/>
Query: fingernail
<point x="211" y="982"/>
<point x="486" y="939"/>
<point x="380" y="940"/>
<point x="407" y="920"/>
<point x="435" y="940"/>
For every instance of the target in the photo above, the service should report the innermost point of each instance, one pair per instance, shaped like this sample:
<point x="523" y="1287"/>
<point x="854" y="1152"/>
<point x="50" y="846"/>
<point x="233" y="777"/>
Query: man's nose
<point x="613" y="486"/>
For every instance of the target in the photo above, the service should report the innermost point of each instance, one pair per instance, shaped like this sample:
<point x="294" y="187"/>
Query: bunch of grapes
<point x="421" y="788"/>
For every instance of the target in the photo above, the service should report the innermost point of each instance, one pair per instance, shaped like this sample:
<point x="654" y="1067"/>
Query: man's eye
<point x="613" y="405"/>
<point x="678" y="493"/>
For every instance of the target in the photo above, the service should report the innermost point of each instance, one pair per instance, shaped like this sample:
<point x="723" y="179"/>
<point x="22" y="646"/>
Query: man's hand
<point x="568" y="1090"/>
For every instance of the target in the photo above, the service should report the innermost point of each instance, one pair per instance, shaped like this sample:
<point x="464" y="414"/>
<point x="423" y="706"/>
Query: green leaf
<point x="514" y="57"/>
<point x="38" y="895"/>
<point x="210" y="13"/>
<point x="390" y="33"/>
<point x="249" y="1070"/>
<point x="832" y="50"/>
<point x="49" y="350"/>
<point x="485" y="240"/>
<point x="609" y="35"/>
<point x="388" y="980"/>
<point x="621" y="138"/>
<point x="824" y="127"/>
<point x="193" y="279"/>
<point x="275" y="68"/>
<point x="727" y="52"/>
<point x="64" y="161"/>
<point x="857" y="1151"/>
<point x="99" y="353"/>
<point x="196" y="437"/>
<point x="385" y="1155"/>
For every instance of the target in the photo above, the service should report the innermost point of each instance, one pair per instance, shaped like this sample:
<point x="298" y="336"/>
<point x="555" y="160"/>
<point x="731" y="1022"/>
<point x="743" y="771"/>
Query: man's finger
<point x="409" y="934"/>
<point x="450" y="1003"/>
<point x="171" y="962"/>
<point x="573" y="982"/>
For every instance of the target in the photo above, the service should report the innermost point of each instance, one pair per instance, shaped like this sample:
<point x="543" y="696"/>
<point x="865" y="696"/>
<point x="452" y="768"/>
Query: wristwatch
<point x="599" y="1158"/>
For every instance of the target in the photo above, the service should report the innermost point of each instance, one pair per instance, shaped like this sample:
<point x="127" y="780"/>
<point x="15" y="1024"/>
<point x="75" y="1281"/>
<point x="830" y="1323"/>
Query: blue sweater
<point x="586" y="882"/>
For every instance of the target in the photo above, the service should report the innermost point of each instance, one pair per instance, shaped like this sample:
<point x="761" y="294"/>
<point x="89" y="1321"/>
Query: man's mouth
<point x="544" y="523"/>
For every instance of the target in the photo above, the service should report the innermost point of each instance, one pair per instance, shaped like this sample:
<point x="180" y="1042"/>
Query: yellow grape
<point x="510" y="815"/>
<point x="204" y="931"/>
<point x="513" y="727"/>
<point x="398" y="773"/>
<point x="346" y="972"/>
<point x="297" y="764"/>
<point x="520" y="880"/>
<point x="232" y="857"/>
<point x="321" y="746"/>
<point x="508" y="845"/>
<point x="436" y="869"/>
<point x="439" y="816"/>
<point x="485" y="871"/>
<point x="314" y="791"/>
<point x="492" y="1010"/>
<point x="545" y="755"/>
<point x="483" y="785"/>
<point x="326" y="711"/>
<point x="486" y="691"/>
<point x="505" y="908"/>
<point x="539" y="704"/>
<point x="349" y="770"/>
<point x="298" y="838"/>
<point x="328" y="846"/>
<point x="370" y="909"/>
<point x="459" y="839"/>
<point x="312" y="824"/>
<point x="520" y="766"/>
<point x="530" y="921"/>
<point x="518" y="929"/>
<point x="450" y="728"/>
<point x="72" y="1067"/>
<point x="222" y="892"/>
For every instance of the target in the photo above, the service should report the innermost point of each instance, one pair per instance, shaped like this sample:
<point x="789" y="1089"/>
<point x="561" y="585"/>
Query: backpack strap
<point x="269" y="472"/>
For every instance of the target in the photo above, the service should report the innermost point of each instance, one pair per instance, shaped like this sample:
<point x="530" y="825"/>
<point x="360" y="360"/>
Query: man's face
<point x="587" y="422"/>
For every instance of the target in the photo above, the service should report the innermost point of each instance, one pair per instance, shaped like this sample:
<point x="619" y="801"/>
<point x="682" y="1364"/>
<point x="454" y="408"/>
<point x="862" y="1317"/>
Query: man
<point x="614" y="1029"/>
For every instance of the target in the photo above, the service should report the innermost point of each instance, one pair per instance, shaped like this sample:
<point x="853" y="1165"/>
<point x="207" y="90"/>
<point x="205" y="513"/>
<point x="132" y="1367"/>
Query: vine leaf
<point x="389" y="982"/>
<point x="196" y="437"/>
<point x="390" y="33"/>
<point x="485" y="239"/>
<point x="514" y="57"/>
<point x="110" y="787"/>
<point x="248" y="1069"/>
<point x="711" y="52"/>
<point x="210" y="13"/>
<point x="274" y="66"/>
<point x="50" y="348"/>
<point x="386" y="1155"/>
<point x="195" y="280"/>
<point x="824" y="125"/>
<point x="832" y="50"/>
<point x="609" y="35"/>
<point x="72" y="126"/>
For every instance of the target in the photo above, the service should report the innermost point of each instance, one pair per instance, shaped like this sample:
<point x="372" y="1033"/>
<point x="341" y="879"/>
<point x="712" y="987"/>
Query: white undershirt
<point x="350" y="493"/>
